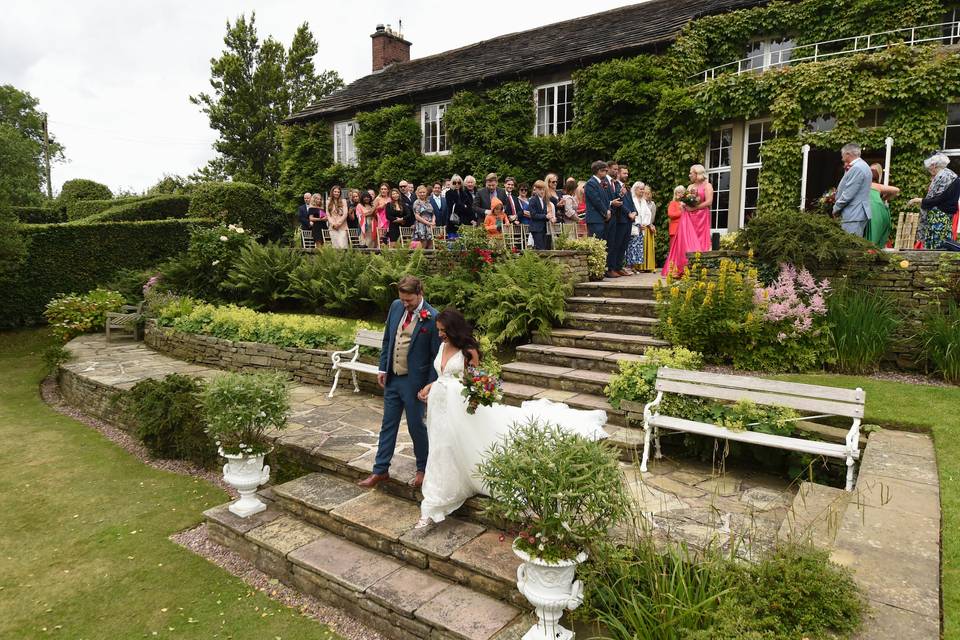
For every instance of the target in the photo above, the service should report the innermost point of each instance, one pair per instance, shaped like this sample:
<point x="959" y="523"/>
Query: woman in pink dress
<point x="693" y="231"/>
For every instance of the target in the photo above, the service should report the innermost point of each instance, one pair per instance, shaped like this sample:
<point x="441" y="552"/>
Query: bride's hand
<point x="424" y="393"/>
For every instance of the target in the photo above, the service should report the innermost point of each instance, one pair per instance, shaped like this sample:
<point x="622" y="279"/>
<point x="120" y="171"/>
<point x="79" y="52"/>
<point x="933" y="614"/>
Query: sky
<point x="115" y="77"/>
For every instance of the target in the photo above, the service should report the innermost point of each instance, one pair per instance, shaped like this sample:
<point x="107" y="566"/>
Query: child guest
<point x="494" y="221"/>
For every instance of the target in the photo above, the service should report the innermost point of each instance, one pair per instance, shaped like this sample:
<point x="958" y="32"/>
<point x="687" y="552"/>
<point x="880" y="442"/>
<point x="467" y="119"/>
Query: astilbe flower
<point x="794" y="297"/>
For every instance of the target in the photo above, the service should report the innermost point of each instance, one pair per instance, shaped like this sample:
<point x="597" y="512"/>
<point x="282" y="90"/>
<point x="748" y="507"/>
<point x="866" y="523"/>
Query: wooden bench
<point x="807" y="398"/>
<point x="127" y="319"/>
<point x="349" y="360"/>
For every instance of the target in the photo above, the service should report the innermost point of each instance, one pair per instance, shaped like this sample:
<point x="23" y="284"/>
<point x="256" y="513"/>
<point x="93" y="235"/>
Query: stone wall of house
<point x="309" y="366"/>
<point x="913" y="280"/>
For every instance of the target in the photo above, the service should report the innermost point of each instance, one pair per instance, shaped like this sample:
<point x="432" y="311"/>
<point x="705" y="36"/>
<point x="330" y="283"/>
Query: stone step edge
<point x="599" y="317"/>
<point x="630" y="302"/>
<point x="581" y="377"/>
<point x="358" y="603"/>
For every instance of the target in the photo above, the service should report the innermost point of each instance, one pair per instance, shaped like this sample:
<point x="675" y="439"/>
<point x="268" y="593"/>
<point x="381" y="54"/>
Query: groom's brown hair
<point x="410" y="284"/>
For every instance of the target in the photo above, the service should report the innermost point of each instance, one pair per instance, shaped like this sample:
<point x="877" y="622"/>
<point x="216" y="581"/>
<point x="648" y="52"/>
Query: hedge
<point x="241" y="203"/>
<point x="68" y="258"/>
<point x="39" y="215"/>
<point x="83" y="189"/>
<point x="85" y="208"/>
<point x="165" y="207"/>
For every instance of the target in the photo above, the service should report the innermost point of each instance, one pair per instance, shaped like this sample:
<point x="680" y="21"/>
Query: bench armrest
<point x="853" y="437"/>
<point x="647" y="414"/>
<point x="337" y="356"/>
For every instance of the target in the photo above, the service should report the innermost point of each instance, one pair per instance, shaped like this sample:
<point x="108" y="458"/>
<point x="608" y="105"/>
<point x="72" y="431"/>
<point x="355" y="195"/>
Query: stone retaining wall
<point x="309" y="366"/>
<point x="93" y="398"/>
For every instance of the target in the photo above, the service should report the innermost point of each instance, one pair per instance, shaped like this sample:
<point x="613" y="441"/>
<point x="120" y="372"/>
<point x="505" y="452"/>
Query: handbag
<point x="454" y="219"/>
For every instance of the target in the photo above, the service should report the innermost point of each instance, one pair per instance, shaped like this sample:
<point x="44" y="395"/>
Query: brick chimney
<point x="388" y="47"/>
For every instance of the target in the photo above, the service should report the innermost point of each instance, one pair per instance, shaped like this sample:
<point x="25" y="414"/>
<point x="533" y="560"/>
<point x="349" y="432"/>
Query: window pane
<point x="953" y="114"/>
<point x="752" y="179"/>
<point x="952" y="138"/>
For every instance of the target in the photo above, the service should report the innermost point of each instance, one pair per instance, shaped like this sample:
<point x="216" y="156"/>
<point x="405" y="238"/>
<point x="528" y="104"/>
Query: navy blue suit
<point x="621" y="229"/>
<point x="598" y="205"/>
<point x="400" y="391"/>
<point x="538" y="222"/>
<point x="440" y="210"/>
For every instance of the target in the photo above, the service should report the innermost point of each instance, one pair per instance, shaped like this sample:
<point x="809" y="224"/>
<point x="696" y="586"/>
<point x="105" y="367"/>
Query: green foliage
<point x="634" y="380"/>
<point x="330" y="279"/>
<point x="862" y="323"/>
<point x="79" y="209"/>
<point x="378" y="281"/>
<point x="521" y="296"/>
<point x="54" y="356"/>
<point x="241" y="407"/>
<point x="170" y="184"/>
<point x="97" y="252"/>
<point x="129" y="283"/>
<point x="242" y="204"/>
<point x="21" y="147"/>
<point x="563" y="491"/>
<point x="260" y="275"/>
<point x="39" y="215"/>
<point x="207" y="262"/>
<point x="454" y="288"/>
<point x="256" y="86"/>
<point x="168" y="418"/>
<point x="307" y="153"/>
<point x="392" y="128"/>
<point x="161" y="207"/>
<point x="940" y="339"/>
<point x="83" y="189"/>
<point x="597" y="248"/>
<point x="13" y="248"/>
<point x="71" y="315"/>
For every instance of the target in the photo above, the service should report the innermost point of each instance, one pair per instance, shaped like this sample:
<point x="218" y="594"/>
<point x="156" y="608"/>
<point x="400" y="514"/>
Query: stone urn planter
<point x="551" y="588"/>
<point x="245" y="473"/>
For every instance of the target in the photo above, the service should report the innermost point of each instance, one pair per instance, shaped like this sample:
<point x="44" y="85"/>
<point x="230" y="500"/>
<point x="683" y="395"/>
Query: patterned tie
<point x="513" y="208"/>
<point x="407" y="320"/>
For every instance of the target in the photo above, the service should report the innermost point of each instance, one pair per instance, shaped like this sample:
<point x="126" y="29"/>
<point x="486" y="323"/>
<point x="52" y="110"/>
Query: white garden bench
<point x="349" y="360"/>
<point x="807" y="398"/>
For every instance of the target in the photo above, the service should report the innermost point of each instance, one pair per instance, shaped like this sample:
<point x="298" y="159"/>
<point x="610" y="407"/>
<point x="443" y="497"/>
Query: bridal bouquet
<point x="481" y="388"/>
<point x="691" y="198"/>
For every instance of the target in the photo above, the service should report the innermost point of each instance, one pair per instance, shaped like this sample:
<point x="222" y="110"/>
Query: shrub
<point x="79" y="209"/>
<point x="163" y="207"/>
<point x="861" y="325"/>
<point x="200" y="270"/>
<point x="39" y="215"/>
<point x="378" y="283"/>
<point x="260" y="275"/>
<point x="563" y="491"/>
<point x="96" y="252"/>
<point x="168" y="419"/>
<point x="940" y="339"/>
<point x="71" y="315"/>
<point x="634" y="380"/>
<point x="82" y="189"/>
<point x="130" y="283"/>
<point x="520" y="296"/>
<point x="240" y="203"/>
<point x="597" y="249"/>
<point x="330" y="279"/>
<point x="54" y="356"/>
<point x="241" y="407"/>
<point x="454" y="288"/>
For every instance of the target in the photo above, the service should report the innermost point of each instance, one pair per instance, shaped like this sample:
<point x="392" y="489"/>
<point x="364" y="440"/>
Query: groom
<point x="410" y="344"/>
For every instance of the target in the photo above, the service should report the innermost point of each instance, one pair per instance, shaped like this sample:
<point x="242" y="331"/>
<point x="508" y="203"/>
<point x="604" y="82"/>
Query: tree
<point x="255" y="87"/>
<point x="21" y="139"/>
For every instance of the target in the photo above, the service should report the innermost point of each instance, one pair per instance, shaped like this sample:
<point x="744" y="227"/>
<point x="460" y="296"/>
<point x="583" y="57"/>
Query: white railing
<point x="947" y="33"/>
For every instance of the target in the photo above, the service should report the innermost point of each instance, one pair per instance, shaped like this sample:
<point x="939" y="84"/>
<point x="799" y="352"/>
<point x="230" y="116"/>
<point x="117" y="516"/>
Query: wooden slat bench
<point x="127" y="319"/>
<point x="807" y="398"/>
<point x="364" y="338"/>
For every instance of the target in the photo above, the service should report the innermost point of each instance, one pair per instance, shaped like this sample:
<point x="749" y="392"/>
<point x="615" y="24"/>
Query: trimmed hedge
<point x="83" y="189"/>
<point x="165" y="207"/>
<point x="40" y="215"/>
<point x="67" y="258"/>
<point x="243" y="204"/>
<point x="85" y="208"/>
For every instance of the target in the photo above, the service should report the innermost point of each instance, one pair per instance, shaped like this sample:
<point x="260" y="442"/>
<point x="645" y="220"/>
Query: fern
<point x="378" y="283"/>
<point x="260" y="276"/>
<point x="330" y="280"/>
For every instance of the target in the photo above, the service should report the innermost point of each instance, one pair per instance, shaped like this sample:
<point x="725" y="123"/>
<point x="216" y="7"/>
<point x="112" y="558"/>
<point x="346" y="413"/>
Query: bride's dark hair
<point x="459" y="332"/>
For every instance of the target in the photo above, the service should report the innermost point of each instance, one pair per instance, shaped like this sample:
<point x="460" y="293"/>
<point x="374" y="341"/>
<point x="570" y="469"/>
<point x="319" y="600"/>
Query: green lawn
<point x="83" y="534"/>
<point x="927" y="408"/>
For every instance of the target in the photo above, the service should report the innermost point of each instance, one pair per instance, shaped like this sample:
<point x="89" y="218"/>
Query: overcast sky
<point x="115" y="76"/>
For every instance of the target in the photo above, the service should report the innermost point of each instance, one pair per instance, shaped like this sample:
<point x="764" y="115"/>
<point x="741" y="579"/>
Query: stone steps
<point x="515" y="393"/>
<point x="600" y="341"/>
<point x="408" y="599"/>
<point x="610" y="324"/>
<point x="556" y="377"/>
<point x="579" y="358"/>
<point x="619" y="288"/>
<point x="612" y="306"/>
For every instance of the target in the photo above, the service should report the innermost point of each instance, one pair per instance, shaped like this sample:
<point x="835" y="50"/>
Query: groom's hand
<point x="381" y="379"/>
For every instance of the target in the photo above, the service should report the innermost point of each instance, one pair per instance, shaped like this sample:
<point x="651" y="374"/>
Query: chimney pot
<point x="389" y="47"/>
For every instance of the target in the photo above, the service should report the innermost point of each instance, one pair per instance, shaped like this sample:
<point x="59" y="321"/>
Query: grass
<point x="925" y="408"/>
<point x="84" y="534"/>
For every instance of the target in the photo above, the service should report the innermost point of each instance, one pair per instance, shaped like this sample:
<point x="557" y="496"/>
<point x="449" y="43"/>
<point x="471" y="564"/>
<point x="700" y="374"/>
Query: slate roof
<point x="586" y="39"/>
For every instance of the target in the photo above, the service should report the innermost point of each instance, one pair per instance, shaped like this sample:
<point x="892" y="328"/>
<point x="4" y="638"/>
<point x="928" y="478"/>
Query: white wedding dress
<point x="459" y="441"/>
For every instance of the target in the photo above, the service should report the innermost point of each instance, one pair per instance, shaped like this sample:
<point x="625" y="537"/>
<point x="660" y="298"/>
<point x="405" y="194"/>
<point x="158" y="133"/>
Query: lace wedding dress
<point x="459" y="441"/>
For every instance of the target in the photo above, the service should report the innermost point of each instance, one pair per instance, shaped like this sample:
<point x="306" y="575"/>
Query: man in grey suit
<point x="853" y="192"/>
<point x="481" y="203"/>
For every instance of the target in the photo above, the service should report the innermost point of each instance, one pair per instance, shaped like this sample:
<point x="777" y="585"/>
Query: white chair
<point x="306" y="239"/>
<point x="355" y="242"/>
<point x="325" y="236"/>
<point x="406" y="236"/>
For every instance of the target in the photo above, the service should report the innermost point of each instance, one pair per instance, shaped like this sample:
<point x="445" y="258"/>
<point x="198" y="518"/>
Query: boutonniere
<point x="423" y="329"/>
<point x="424" y="315"/>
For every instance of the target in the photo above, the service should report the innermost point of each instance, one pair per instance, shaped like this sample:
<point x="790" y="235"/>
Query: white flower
<point x="540" y="547"/>
<point x="232" y="226"/>
<point x="216" y="262"/>
<point x="242" y="445"/>
<point x="223" y="238"/>
<point x="239" y="229"/>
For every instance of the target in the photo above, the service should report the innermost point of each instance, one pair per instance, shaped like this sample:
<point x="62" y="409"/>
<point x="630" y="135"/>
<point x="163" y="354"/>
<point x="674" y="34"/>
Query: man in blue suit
<point x="853" y="192"/>
<point x="600" y="198"/>
<point x="538" y="215"/>
<point x="410" y="345"/>
<point x="439" y="205"/>
<point x="624" y="217"/>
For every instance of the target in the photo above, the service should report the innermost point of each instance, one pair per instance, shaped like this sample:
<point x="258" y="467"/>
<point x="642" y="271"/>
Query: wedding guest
<point x="495" y="219"/>
<point x="880" y="196"/>
<point x="568" y="202"/>
<point x="439" y="204"/>
<point x="337" y="219"/>
<point x="674" y="211"/>
<point x="380" y="204"/>
<point x="552" y="197"/>
<point x="581" y="209"/>
<point x="482" y="201"/>
<point x="512" y="205"/>
<point x="459" y="206"/>
<point x="597" y="196"/>
<point x="303" y="212"/>
<point x="523" y="195"/>
<point x="407" y="198"/>
<point x="538" y="215"/>
<point x="852" y="203"/>
<point x="424" y="219"/>
<point x="635" y="244"/>
<point x="646" y="217"/>
<point x="446" y="186"/>
<point x="693" y="230"/>
<point x="317" y="217"/>
<point x="470" y="185"/>
<point x="352" y="221"/>
<point x="939" y="206"/>
<point x="396" y="216"/>
<point x="368" y="221"/>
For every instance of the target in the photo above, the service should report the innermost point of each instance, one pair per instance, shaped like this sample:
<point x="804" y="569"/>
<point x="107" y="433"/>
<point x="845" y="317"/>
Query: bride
<point x="458" y="440"/>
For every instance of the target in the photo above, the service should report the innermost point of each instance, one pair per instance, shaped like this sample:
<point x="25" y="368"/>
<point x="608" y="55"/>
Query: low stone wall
<point x="911" y="279"/>
<point x="309" y="366"/>
<point x="93" y="398"/>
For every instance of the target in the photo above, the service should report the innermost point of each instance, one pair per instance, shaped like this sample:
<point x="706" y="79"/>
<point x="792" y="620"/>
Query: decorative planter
<point x="550" y="587"/>
<point x="245" y="473"/>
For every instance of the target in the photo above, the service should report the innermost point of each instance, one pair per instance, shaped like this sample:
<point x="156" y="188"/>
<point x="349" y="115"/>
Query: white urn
<point x="550" y="587"/>
<point x="245" y="473"/>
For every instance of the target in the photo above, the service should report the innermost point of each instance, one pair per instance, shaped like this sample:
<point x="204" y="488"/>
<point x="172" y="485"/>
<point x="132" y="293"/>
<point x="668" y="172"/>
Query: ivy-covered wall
<point x="647" y="112"/>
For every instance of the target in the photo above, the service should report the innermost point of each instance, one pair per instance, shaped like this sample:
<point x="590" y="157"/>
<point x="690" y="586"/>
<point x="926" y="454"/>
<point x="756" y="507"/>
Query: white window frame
<point x="443" y="142"/>
<point x="955" y="151"/>
<point x="711" y="171"/>
<point x="747" y="165"/>
<point x="771" y="59"/>
<point x="551" y="129"/>
<point x="347" y="155"/>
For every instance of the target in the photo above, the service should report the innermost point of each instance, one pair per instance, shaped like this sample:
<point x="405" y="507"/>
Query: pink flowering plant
<point x="788" y="330"/>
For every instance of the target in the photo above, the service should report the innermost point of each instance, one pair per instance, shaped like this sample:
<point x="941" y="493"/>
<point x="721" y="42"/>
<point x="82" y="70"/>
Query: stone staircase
<point x="607" y="322"/>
